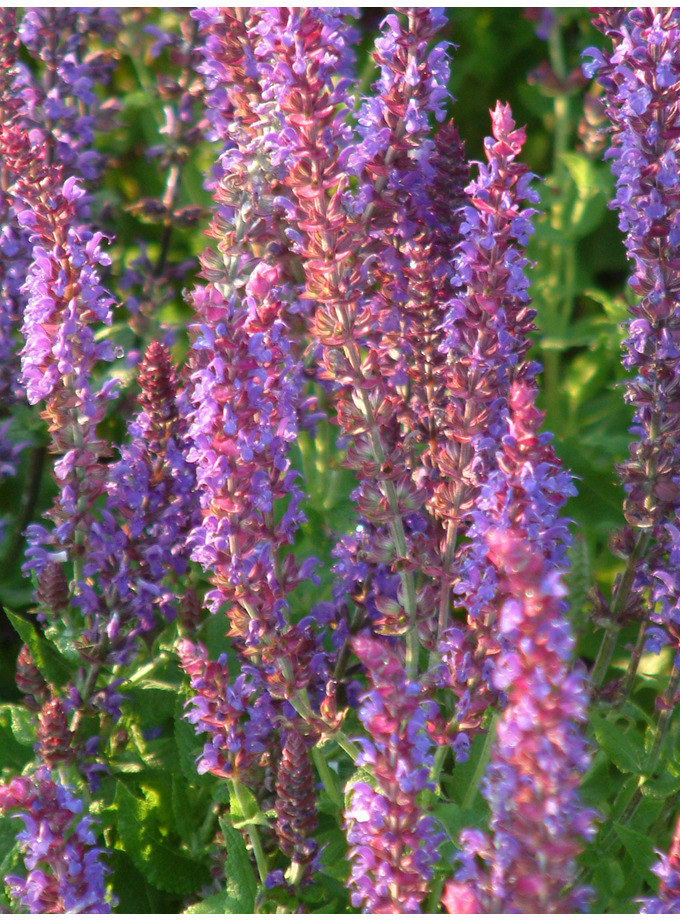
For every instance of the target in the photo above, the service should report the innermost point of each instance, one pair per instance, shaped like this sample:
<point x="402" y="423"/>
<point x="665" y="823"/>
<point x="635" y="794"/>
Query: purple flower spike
<point x="139" y="547"/>
<point x="393" y="842"/>
<point x="486" y="340"/>
<point x="641" y="79"/>
<point x="538" y="823"/>
<point x="65" y="869"/>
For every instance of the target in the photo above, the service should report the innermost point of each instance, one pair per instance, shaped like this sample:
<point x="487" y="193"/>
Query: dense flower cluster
<point x="363" y="273"/>
<point x="486" y="330"/>
<point x="393" y="842"/>
<point x="66" y="873"/>
<point x="641" y="78"/>
<point x="539" y="755"/>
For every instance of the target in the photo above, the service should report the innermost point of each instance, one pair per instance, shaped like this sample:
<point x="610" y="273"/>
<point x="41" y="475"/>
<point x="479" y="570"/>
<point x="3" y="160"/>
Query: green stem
<point x="439" y="758"/>
<point x="619" y="601"/>
<point x="634" y="662"/>
<point x="326" y="777"/>
<point x="300" y="702"/>
<point x="472" y="788"/>
<point x="253" y="835"/>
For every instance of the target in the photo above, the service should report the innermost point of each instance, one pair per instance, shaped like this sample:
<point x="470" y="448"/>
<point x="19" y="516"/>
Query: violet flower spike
<point x="66" y="872"/>
<point x="641" y="79"/>
<point x="486" y="332"/>
<point x="538" y="823"/>
<point x="138" y="548"/>
<point x="393" y="842"/>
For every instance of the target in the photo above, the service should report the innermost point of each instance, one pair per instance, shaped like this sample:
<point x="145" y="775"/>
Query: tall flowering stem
<point x="139" y="546"/>
<point x="65" y="300"/>
<point x="393" y="842"/>
<point x="486" y="329"/>
<point x="538" y="823"/>
<point x="301" y="53"/>
<point x="66" y="872"/>
<point x="641" y="79"/>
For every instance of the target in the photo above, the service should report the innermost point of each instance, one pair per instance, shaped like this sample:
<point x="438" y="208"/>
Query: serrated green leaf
<point x="449" y="816"/>
<point x="625" y="748"/>
<point x="161" y="863"/>
<point x="238" y="872"/>
<point x="640" y="849"/>
<point x="48" y="659"/>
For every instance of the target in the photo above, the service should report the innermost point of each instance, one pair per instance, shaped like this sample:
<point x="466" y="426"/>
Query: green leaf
<point x="626" y="749"/>
<point x="609" y="877"/>
<point x="239" y="873"/>
<point x="661" y="788"/>
<point x="48" y="659"/>
<point x="215" y="904"/>
<point x="246" y="810"/>
<point x="362" y="775"/>
<point x="640" y="849"/>
<point x="23" y="728"/>
<point x="162" y="864"/>
<point x="13" y="754"/>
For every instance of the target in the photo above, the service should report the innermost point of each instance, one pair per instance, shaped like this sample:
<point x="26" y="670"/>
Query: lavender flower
<point x="641" y="79"/>
<point x="246" y="393"/>
<point x="539" y="756"/>
<point x="301" y="53"/>
<point x="238" y="717"/>
<point x="64" y="300"/>
<point x="393" y="842"/>
<point x="486" y="339"/>
<point x="66" y="873"/>
<point x="140" y="544"/>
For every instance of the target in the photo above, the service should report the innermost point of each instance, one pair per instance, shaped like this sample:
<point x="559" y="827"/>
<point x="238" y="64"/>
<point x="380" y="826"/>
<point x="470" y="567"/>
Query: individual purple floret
<point x="393" y="842"/>
<point x="65" y="871"/>
<point x="667" y="900"/>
